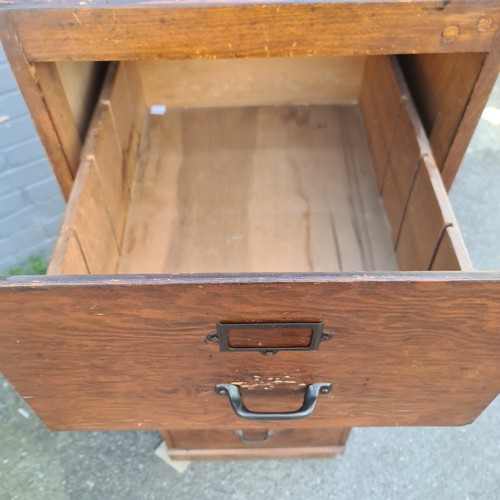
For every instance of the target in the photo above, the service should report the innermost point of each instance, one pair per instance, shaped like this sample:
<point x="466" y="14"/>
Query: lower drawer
<point x="278" y="215"/>
<point x="231" y="444"/>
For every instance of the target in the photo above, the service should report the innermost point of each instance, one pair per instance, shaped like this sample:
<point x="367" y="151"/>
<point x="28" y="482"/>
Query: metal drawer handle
<point x="310" y="399"/>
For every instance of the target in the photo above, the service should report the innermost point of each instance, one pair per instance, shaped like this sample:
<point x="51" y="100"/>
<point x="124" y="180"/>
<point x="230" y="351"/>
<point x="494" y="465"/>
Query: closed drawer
<point x="269" y="443"/>
<point x="232" y="212"/>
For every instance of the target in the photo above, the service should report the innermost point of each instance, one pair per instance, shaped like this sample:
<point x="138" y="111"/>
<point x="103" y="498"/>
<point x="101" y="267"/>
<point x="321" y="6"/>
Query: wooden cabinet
<point x="257" y="204"/>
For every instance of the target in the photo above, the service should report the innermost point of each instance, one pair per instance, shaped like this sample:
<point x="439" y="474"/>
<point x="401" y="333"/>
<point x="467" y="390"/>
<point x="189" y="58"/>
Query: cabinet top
<point x="104" y="30"/>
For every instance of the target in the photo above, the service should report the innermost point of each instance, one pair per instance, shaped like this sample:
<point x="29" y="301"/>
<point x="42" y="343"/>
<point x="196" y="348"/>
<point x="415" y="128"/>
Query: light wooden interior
<point x="251" y="82"/>
<point x="258" y="189"/>
<point x="223" y="185"/>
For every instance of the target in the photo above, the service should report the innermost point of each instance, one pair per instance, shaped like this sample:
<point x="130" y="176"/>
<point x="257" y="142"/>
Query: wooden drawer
<point x="233" y="444"/>
<point x="247" y="206"/>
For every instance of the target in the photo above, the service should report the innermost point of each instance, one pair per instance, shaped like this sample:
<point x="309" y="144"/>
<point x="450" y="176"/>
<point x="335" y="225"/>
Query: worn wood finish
<point x="68" y="256"/>
<point x="99" y="203"/>
<point x="404" y="157"/>
<point x="251" y="82"/>
<point x="287" y="189"/>
<point x="109" y="161"/>
<point x="252" y="438"/>
<point x="238" y="444"/>
<point x="472" y="113"/>
<point x="54" y="95"/>
<point x="422" y="225"/>
<point x="407" y="349"/>
<point x="426" y="218"/>
<point x="241" y="29"/>
<point x="428" y="212"/>
<point x="450" y="91"/>
<point x="450" y="252"/>
<point x="441" y="85"/>
<point x="258" y="453"/>
<point x="414" y="197"/>
<point x="367" y="209"/>
<point x="128" y="109"/>
<point x="88" y="217"/>
<point x="25" y="74"/>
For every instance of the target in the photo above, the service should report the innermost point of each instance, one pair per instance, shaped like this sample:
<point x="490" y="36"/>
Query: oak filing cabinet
<point x="258" y="251"/>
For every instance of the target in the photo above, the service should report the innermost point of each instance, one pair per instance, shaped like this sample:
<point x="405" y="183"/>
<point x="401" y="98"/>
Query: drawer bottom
<point x="255" y="444"/>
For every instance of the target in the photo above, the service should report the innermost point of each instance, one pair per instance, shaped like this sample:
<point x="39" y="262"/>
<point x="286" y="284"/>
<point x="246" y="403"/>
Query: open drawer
<point x="286" y="197"/>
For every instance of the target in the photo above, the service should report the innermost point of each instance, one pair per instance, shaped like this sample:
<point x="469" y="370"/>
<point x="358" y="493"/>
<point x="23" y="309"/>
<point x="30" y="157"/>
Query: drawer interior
<point x="257" y="166"/>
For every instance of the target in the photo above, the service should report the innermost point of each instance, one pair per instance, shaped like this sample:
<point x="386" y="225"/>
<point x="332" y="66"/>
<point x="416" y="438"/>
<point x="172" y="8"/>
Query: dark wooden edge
<point x="451" y="91"/>
<point x="45" y="282"/>
<point x="472" y="113"/>
<point x="243" y="29"/>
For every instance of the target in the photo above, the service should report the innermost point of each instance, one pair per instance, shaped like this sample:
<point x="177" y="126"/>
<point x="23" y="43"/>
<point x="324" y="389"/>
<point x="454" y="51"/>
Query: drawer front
<point x="262" y="438"/>
<point x="132" y="353"/>
<point x="253" y="443"/>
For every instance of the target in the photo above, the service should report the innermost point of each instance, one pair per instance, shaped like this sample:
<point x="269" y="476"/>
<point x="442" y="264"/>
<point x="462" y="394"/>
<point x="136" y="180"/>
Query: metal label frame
<point x="222" y="334"/>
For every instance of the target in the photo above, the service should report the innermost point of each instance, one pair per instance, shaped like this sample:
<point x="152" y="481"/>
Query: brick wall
<point x="31" y="204"/>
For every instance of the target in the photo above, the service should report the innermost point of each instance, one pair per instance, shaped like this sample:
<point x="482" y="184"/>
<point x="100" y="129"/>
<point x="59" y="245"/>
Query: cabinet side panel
<point x="25" y="74"/>
<point x="450" y="92"/>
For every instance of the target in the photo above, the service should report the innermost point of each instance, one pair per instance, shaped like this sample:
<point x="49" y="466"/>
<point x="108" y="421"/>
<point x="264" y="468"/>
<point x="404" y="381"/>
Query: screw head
<point x="325" y="336"/>
<point x="484" y="24"/>
<point x="450" y="34"/>
<point x="221" y="391"/>
<point x="269" y="353"/>
<point x="324" y="390"/>
<point x="213" y="338"/>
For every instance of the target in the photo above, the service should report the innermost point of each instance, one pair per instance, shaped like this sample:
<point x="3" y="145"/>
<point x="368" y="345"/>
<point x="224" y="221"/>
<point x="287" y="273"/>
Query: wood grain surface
<point x="448" y="255"/>
<point x="441" y="85"/>
<point x="251" y="81"/>
<point x="239" y="444"/>
<point x="257" y="453"/>
<point x="451" y="91"/>
<point x="472" y="113"/>
<point x="268" y="189"/>
<point x="184" y="30"/>
<point x="379" y="102"/>
<point x="130" y="352"/>
<point x="81" y="82"/>
<point x="252" y="438"/>
<point x="25" y="74"/>
<point x="51" y="86"/>
<point x="411" y="186"/>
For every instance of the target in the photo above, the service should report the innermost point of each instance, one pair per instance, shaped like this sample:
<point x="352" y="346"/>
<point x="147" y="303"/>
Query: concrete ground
<point x="385" y="463"/>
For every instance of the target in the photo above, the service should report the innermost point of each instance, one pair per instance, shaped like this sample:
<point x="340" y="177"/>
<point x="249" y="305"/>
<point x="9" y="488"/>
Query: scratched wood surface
<point x="268" y="189"/>
<point x="180" y="30"/>
<point x="130" y="352"/>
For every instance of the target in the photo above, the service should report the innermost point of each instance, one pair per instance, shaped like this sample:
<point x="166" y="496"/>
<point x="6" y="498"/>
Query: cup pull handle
<point x="233" y="392"/>
<point x="243" y="438"/>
